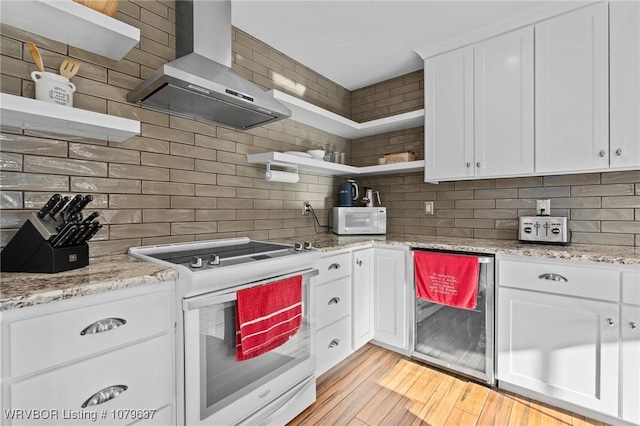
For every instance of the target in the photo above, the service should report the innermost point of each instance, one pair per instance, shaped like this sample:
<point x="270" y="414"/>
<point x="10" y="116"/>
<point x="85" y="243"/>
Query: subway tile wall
<point x="180" y="180"/>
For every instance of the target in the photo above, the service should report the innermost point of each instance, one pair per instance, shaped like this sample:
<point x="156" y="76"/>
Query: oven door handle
<point x="229" y="295"/>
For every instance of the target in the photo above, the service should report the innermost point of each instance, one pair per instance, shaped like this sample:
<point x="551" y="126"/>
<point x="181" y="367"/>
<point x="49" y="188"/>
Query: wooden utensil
<point x="69" y="67"/>
<point x="35" y="53"/>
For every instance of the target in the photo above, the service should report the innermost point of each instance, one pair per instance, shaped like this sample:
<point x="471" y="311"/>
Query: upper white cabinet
<point x="571" y="80"/>
<point x="390" y="298"/>
<point x="448" y="123"/>
<point x="624" y="84"/>
<point x="503" y="70"/>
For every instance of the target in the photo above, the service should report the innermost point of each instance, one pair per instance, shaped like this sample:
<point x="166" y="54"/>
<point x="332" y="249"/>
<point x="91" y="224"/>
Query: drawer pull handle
<point x="334" y="343"/>
<point x="553" y="277"/>
<point x="334" y="266"/>
<point x="334" y="301"/>
<point x="104" y="395"/>
<point x="611" y="322"/>
<point x="633" y="325"/>
<point x="103" y="325"/>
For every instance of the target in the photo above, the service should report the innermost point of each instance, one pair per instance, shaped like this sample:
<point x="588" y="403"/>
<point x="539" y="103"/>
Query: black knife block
<point x="28" y="251"/>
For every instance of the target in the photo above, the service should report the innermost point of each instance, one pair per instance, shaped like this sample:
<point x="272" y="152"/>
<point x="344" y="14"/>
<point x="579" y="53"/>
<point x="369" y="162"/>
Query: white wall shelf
<point x="320" y="118"/>
<point x="328" y="168"/>
<point x="72" y="23"/>
<point x="31" y="114"/>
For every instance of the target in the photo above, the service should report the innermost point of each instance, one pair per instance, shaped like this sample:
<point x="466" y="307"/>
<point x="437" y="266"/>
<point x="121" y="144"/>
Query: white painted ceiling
<point x="361" y="42"/>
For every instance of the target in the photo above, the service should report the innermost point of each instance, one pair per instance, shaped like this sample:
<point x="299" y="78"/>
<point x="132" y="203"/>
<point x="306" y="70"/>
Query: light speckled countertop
<point x="109" y="273"/>
<point x="103" y="274"/>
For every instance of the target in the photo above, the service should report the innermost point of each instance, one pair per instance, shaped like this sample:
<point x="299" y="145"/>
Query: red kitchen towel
<point x="267" y="316"/>
<point x="447" y="279"/>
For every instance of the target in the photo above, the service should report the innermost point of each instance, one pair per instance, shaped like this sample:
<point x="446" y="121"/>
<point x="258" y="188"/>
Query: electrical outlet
<point x="306" y="208"/>
<point x="543" y="207"/>
<point x="428" y="207"/>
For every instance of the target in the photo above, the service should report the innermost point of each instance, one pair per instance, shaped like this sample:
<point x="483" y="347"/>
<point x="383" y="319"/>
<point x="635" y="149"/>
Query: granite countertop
<point x="103" y="274"/>
<point x="580" y="252"/>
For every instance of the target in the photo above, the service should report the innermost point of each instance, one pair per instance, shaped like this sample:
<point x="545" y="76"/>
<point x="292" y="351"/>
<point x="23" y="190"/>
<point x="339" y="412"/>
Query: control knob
<point x="297" y="246"/>
<point x="528" y="229"/>
<point x="555" y="231"/>
<point x="307" y="245"/>
<point x="196" y="262"/>
<point x="214" y="260"/>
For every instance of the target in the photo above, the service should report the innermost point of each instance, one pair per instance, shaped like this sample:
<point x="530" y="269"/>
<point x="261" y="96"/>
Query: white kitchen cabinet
<point x="362" y="297"/>
<point x="333" y="310"/>
<point x="630" y="371"/>
<point x="448" y="124"/>
<point x="624" y="85"/>
<point x="57" y="355"/>
<point x="390" y="298"/>
<point x="562" y="347"/>
<point x="503" y="105"/>
<point x="571" y="91"/>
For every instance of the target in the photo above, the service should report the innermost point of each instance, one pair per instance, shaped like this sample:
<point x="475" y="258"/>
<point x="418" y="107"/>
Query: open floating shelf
<point x="320" y="118"/>
<point x="31" y="114"/>
<point x="327" y="168"/>
<point x="72" y="23"/>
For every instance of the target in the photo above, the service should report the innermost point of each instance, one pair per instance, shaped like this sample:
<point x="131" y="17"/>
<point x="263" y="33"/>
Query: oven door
<point x="222" y="391"/>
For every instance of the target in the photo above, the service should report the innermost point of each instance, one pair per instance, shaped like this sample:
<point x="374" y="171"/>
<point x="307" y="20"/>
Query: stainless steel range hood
<point x="200" y="84"/>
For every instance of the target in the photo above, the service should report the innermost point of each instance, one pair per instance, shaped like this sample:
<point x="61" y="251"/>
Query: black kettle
<point x="348" y="193"/>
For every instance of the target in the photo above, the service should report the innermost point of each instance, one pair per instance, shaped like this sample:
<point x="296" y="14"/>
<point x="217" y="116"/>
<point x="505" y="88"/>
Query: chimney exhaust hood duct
<point x="200" y="84"/>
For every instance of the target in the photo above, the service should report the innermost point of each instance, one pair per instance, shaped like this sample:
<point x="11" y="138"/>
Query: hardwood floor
<point x="375" y="386"/>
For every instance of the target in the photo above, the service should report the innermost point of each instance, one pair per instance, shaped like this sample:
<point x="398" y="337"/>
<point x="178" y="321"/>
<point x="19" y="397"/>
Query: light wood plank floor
<point x="375" y="386"/>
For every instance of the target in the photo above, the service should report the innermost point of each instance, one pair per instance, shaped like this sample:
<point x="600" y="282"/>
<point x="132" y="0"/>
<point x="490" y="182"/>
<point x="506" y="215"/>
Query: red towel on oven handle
<point x="267" y="316"/>
<point x="447" y="279"/>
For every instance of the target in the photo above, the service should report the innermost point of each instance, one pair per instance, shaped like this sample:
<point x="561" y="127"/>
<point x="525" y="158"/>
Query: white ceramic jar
<point x="53" y="88"/>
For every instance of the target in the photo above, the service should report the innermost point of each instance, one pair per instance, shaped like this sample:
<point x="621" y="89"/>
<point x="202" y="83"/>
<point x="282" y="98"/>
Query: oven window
<point x="226" y="380"/>
<point x="358" y="220"/>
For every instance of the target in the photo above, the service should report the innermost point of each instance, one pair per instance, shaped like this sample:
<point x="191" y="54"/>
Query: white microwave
<point x="359" y="220"/>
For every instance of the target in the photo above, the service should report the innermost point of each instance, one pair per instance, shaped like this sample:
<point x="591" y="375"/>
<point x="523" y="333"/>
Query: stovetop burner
<point x="223" y="252"/>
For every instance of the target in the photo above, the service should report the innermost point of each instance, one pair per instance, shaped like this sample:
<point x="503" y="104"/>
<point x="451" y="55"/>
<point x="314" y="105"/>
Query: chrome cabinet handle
<point x="359" y="262"/>
<point x="633" y="325"/>
<point x="601" y="153"/>
<point x="553" y="277"/>
<point x="334" y="301"/>
<point x="104" y="395"/>
<point x="618" y="152"/>
<point x="468" y="164"/>
<point x="611" y="322"/>
<point x="334" y="343"/>
<point x="103" y="325"/>
<point x="334" y="266"/>
<point x="478" y="164"/>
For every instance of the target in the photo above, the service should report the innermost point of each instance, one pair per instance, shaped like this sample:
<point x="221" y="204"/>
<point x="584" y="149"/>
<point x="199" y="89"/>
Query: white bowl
<point x="317" y="154"/>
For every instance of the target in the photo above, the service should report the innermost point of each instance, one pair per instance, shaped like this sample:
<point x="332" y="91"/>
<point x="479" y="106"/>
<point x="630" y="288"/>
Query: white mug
<point x="53" y="88"/>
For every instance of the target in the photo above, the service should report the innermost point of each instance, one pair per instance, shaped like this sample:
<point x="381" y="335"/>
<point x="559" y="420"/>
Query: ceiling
<point x="361" y="42"/>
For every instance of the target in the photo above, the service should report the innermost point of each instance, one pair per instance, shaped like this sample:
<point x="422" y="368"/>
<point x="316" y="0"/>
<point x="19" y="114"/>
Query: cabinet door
<point x="571" y="78"/>
<point x="390" y="297"/>
<point x="362" y="297"/>
<point x="625" y="83"/>
<point x="503" y="71"/>
<point x="448" y="123"/>
<point x="562" y="347"/>
<point x="630" y="372"/>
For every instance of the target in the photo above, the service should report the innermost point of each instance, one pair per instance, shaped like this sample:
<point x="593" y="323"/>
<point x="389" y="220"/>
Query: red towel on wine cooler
<point x="447" y="279"/>
<point x="267" y="316"/>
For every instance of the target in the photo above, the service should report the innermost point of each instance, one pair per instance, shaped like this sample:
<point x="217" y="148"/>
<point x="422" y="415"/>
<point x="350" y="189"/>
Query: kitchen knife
<point x="71" y="206"/>
<point x="75" y="238"/>
<point x="82" y="204"/>
<point x="94" y="231"/>
<point x="87" y="230"/>
<point x="58" y="207"/>
<point x="90" y="218"/>
<point x="53" y="201"/>
<point x="54" y="239"/>
<point x="65" y="236"/>
<point x="72" y="218"/>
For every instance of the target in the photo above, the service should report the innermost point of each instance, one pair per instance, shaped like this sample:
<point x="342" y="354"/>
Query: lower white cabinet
<point x="100" y="359"/>
<point x="362" y="297"/>
<point x="630" y="369"/>
<point x="562" y="347"/>
<point x="334" y="344"/>
<point x="390" y="297"/>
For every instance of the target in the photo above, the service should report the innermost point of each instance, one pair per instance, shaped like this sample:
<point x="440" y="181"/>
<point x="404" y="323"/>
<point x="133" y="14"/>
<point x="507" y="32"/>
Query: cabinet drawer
<point x="333" y="301"/>
<point x="334" y="267"/>
<point x="631" y="288"/>
<point x="45" y="341"/>
<point x="144" y="368"/>
<point x="573" y="280"/>
<point x="334" y="344"/>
